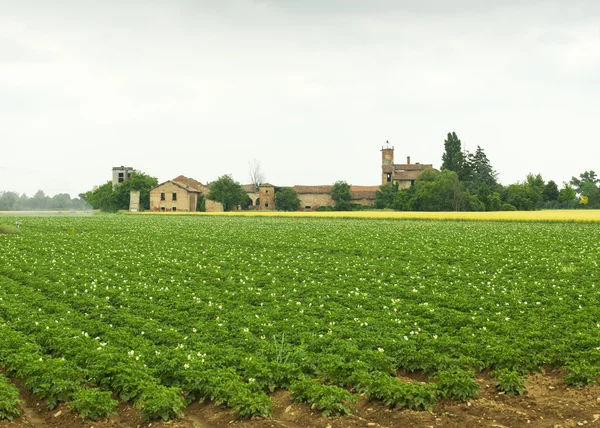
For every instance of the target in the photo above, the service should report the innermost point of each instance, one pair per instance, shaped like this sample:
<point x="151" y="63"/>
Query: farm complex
<point x="321" y="316"/>
<point x="182" y="193"/>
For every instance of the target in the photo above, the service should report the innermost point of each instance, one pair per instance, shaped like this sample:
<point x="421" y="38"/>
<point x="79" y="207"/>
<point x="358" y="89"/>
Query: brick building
<point x="404" y="174"/>
<point x="180" y="194"/>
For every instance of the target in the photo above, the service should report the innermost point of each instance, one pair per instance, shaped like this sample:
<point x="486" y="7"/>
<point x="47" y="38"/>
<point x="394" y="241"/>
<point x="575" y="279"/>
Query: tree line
<point x="468" y="182"/>
<point x="12" y="201"/>
<point x="465" y="182"/>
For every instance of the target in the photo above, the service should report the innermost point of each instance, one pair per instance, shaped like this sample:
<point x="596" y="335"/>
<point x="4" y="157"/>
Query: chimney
<point x="408" y="160"/>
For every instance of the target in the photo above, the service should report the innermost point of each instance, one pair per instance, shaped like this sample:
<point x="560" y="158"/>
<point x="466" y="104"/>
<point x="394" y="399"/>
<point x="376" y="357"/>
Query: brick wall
<point x="185" y="201"/>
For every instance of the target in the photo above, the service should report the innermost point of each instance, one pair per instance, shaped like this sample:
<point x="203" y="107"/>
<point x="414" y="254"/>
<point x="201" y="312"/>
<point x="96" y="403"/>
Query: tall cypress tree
<point x="453" y="158"/>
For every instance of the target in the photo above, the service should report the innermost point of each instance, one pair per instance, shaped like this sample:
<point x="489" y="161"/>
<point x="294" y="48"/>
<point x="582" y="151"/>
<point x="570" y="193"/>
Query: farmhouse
<point x="184" y="194"/>
<point x="180" y="194"/>
<point x="404" y="174"/>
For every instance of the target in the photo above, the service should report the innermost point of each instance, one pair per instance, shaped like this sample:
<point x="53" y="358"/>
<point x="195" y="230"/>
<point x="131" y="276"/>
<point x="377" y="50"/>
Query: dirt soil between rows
<point x="547" y="403"/>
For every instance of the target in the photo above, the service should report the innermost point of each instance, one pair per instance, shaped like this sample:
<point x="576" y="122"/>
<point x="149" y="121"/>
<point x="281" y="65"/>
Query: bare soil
<point x="547" y="403"/>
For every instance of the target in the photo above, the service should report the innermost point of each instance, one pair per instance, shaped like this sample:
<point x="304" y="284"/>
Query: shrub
<point x="581" y="374"/>
<point x="7" y="230"/>
<point x="161" y="402"/>
<point x="94" y="404"/>
<point x="457" y="384"/>
<point x="328" y="399"/>
<point x="246" y="403"/>
<point x="9" y="399"/>
<point x="394" y="392"/>
<point x="508" y="381"/>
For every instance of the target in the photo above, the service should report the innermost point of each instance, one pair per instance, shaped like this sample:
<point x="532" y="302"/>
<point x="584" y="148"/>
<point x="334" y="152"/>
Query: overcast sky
<point x="310" y="88"/>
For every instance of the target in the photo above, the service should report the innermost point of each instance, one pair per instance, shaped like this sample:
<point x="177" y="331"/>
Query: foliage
<point x="228" y="192"/>
<point x="586" y="177"/>
<point x="137" y="181"/>
<point x="6" y="229"/>
<point x="438" y="191"/>
<point x="550" y="192"/>
<point x="341" y="195"/>
<point x="9" y="399"/>
<point x="393" y="392"/>
<point x="386" y="195"/>
<point x="453" y="158"/>
<point x="103" y="198"/>
<point x="11" y="201"/>
<point x="162" y="403"/>
<point x="478" y="171"/>
<point x="94" y="404"/>
<point x="567" y="194"/>
<point x="457" y="384"/>
<point x="581" y="374"/>
<point x="111" y="198"/>
<point x="508" y="381"/>
<point x="212" y="316"/>
<point x="286" y="199"/>
<point x="327" y="399"/>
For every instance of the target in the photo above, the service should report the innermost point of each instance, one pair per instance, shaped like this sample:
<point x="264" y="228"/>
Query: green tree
<point x="228" y="192"/>
<point x="60" y="201"/>
<point x="535" y="189"/>
<point x="550" y="192"/>
<point x="480" y="170"/>
<point x="138" y="181"/>
<point x="438" y="191"/>
<point x="386" y="195"/>
<point x="341" y="195"/>
<point x="286" y="199"/>
<point x="591" y="191"/>
<point x="521" y="196"/>
<point x="8" y="201"/>
<point x="404" y="199"/>
<point x="103" y="198"/>
<point x="567" y="195"/>
<point x="453" y="158"/>
<point x="39" y="201"/>
<point x="584" y="177"/>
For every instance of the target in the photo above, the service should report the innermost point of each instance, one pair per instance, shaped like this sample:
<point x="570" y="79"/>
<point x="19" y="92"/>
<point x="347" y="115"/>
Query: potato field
<point x="163" y="311"/>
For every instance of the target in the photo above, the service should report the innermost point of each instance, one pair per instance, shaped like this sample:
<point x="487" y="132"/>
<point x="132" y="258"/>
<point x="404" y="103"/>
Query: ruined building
<point x="120" y="174"/>
<point x="183" y="193"/>
<point x="404" y="174"/>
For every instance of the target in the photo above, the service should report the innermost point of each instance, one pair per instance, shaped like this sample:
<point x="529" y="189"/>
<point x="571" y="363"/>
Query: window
<point x="121" y="177"/>
<point x="174" y="209"/>
<point x="389" y="177"/>
<point x="266" y="205"/>
<point x="307" y="207"/>
<point x="162" y="209"/>
<point x="257" y="202"/>
<point x="174" y="196"/>
<point x="266" y="190"/>
<point x="162" y="196"/>
<point x="128" y="175"/>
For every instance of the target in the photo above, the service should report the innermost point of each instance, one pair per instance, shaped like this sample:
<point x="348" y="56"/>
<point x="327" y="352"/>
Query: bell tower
<point x="387" y="163"/>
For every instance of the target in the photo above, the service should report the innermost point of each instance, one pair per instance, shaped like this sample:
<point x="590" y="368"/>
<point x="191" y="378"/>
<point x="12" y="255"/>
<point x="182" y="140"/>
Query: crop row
<point x="230" y="309"/>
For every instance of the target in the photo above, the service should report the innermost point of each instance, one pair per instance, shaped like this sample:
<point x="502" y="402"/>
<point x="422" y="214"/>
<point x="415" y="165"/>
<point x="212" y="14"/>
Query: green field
<point x="164" y="310"/>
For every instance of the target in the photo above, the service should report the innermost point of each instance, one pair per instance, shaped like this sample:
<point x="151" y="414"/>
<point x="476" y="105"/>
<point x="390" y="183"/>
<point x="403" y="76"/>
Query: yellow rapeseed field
<point x="543" y="215"/>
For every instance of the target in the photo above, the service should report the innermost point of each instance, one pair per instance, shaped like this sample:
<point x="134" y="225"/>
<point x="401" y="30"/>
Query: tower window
<point x="389" y="177"/>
